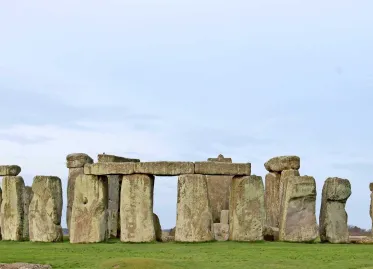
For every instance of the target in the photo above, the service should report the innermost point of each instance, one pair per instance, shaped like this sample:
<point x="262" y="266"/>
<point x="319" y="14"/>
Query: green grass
<point x="228" y="255"/>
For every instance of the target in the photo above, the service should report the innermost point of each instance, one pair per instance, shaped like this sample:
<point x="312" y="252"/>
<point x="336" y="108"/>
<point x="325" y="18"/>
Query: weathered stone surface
<point x="220" y="158"/>
<point x="278" y="164"/>
<point x="224" y="217"/>
<point x="89" y="213"/>
<point x="107" y="158"/>
<point x="12" y="208"/>
<point x="370" y="209"/>
<point x="333" y="216"/>
<point x="270" y="233"/>
<point x="27" y="197"/>
<point x="110" y="168"/>
<point x="166" y="237"/>
<point x="24" y="266"/>
<point x="371" y="186"/>
<point x="298" y="218"/>
<point x="164" y="168"/>
<point x="1" y="199"/>
<point x="284" y="175"/>
<point x="114" y="182"/>
<point x="272" y="199"/>
<point x="172" y="231"/>
<point x="157" y="228"/>
<point x="194" y="217"/>
<point x="221" y="168"/>
<point x="218" y="192"/>
<point x="46" y="209"/>
<point x="136" y="208"/>
<point x="76" y="160"/>
<point x="76" y="163"/>
<point x="221" y="232"/>
<point x="9" y="170"/>
<point x="246" y="209"/>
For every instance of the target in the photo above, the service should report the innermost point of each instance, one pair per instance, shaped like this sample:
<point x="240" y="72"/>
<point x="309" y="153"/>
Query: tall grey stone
<point x="28" y="193"/>
<point x="114" y="182"/>
<point x="218" y="190"/>
<point x="272" y="198"/>
<point x="136" y="208"/>
<point x="194" y="217"/>
<point x="12" y="208"/>
<point x="333" y="216"/>
<point x="298" y="216"/>
<point x="246" y="209"/>
<point x="75" y="162"/>
<point x="45" y="210"/>
<point x="89" y="212"/>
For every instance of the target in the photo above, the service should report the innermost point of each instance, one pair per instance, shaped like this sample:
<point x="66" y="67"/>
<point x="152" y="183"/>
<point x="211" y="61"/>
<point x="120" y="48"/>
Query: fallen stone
<point x="246" y="209"/>
<point x="136" y="208"/>
<point x="220" y="158"/>
<point x="157" y="228"/>
<point x="12" y="208"/>
<point x="75" y="163"/>
<point x="24" y="266"/>
<point x="9" y="170"/>
<point x="221" y="168"/>
<point x="298" y="218"/>
<point x="76" y="160"/>
<point x="221" y="232"/>
<point x="272" y="199"/>
<point x="278" y="164"/>
<point x="27" y="197"/>
<point x="89" y="213"/>
<point x="45" y="210"/>
<point x="194" y="217"/>
<point x="224" y="217"/>
<point x="333" y="216"/>
<point x="107" y="158"/>
<point x="271" y="233"/>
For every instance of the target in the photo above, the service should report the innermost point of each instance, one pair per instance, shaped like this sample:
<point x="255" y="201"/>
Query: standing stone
<point x="75" y="163"/>
<point x="272" y="198"/>
<point x="333" y="216"/>
<point x="12" y="208"/>
<point x="28" y="193"/>
<point x="1" y="199"/>
<point x="89" y="212"/>
<point x="284" y="175"/>
<point x="46" y="209"/>
<point x="224" y="217"/>
<point x="157" y="228"/>
<point x="114" y="182"/>
<point x="194" y="217"/>
<point x="371" y="204"/>
<point x="298" y="218"/>
<point x="136" y="208"/>
<point x="218" y="190"/>
<point x="246" y="212"/>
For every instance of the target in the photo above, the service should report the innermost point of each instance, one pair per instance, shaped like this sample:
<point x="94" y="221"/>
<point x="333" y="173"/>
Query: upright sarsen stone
<point x="136" y="208"/>
<point x="1" y="199"/>
<point x="272" y="199"/>
<point x="75" y="162"/>
<point x="89" y="212"/>
<point x="46" y="209"/>
<point x="246" y="209"/>
<point x="298" y="217"/>
<point x="28" y="194"/>
<point x="333" y="216"/>
<point x="194" y="217"/>
<point x="12" y="208"/>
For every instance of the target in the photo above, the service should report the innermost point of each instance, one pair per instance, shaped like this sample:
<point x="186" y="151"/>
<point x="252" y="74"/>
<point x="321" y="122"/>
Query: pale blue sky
<point x="187" y="80"/>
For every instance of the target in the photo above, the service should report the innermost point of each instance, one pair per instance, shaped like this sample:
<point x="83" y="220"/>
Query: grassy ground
<point x="226" y="255"/>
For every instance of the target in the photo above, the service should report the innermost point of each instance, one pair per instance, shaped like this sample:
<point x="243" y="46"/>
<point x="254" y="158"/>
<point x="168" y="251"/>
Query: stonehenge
<point x="333" y="216"/>
<point x="217" y="200"/>
<point x="45" y="210"/>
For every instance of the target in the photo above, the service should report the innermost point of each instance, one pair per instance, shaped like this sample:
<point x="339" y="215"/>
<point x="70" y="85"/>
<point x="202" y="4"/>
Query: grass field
<point x="226" y="255"/>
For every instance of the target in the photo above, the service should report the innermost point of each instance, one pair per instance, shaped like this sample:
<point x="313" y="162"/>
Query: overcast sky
<point x="187" y="80"/>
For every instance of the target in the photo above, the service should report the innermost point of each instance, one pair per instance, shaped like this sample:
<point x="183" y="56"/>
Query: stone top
<point x="107" y="158"/>
<point x="337" y="189"/>
<point x="371" y="186"/>
<point x="280" y="163"/>
<point x="76" y="160"/>
<point x="9" y="170"/>
<point x="168" y="168"/>
<point x="220" y="158"/>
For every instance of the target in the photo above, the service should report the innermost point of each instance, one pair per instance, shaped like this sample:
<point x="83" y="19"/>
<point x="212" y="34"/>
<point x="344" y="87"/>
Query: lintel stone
<point x="222" y="168"/>
<point x="106" y="158"/>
